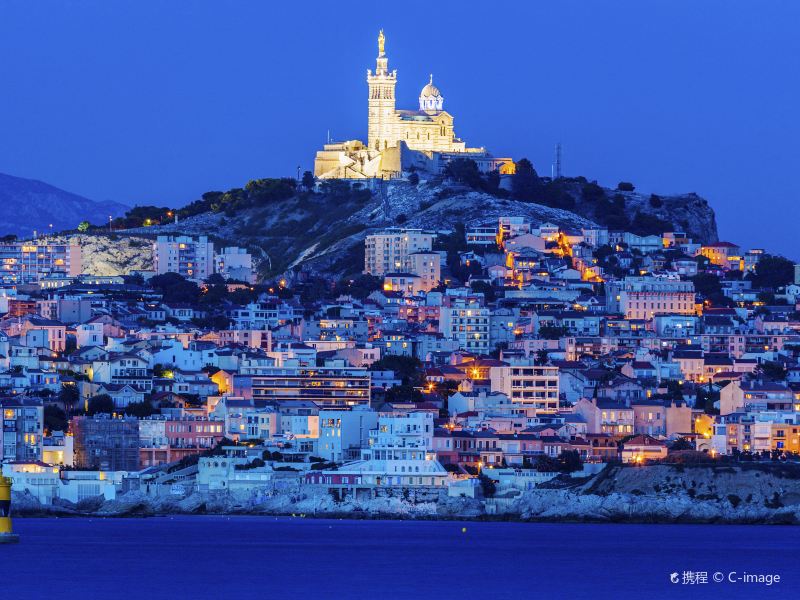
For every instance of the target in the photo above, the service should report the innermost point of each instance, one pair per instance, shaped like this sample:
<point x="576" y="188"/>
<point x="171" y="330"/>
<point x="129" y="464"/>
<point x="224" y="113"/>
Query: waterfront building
<point x="723" y="254"/>
<point x="399" y="454"/>
<point x="342" y="433"/>
<point x="106" y="443"/>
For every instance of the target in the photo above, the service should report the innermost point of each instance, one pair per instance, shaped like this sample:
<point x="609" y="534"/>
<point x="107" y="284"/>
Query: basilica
<point x="400" y="141"/>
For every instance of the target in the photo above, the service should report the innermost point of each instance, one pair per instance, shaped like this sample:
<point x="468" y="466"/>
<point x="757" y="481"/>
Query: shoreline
<point x="786" y="517"/>
<point x="644" y="495"/>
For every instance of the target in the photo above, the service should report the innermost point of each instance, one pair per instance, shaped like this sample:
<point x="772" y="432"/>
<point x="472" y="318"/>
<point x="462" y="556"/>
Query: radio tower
<point x="558" y="161"/>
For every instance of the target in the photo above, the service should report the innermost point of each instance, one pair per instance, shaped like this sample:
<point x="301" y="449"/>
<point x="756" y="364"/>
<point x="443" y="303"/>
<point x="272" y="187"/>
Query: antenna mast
<point x="558" y="160"/>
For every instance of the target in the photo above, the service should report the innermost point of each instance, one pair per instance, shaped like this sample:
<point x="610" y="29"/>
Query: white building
<point x="189" y="257"/>
<point x="389" y="251"/>
<point x="342" y="433"/>
<point x="528" y="385"/>
<point x="399" y="454"/>
<point x="645" y="297"/>
<point x="235" y="263"/>
<point x="467" y="322"/>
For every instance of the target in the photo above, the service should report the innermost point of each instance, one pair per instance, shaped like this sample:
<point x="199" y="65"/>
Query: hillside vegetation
<point x="289" y="226"/>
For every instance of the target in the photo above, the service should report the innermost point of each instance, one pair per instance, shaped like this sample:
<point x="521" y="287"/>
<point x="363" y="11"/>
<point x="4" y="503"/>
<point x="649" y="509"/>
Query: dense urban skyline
<point x="672" y="96"/>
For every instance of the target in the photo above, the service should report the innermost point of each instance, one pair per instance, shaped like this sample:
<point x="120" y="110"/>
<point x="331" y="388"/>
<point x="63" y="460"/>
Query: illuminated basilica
<point x="401" y="140"/>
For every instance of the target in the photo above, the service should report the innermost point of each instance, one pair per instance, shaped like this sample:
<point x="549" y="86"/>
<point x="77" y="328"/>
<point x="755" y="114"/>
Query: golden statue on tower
<point x="381" y="42"/>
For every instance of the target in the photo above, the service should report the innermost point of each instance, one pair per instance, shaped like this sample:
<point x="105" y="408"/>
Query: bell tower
<point x="381" y="100"/>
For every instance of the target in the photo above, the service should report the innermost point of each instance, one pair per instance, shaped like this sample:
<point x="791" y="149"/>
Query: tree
<point x="705" y="400"/>
<point x="570" y="461"/>
<point x="773" y="272"/>
<point x="656" y="201"/>
<point x="175" y="288"/>
<point x="484" y="288"/>
<point x="611" y="213"/>
<point x="493" y="181"/>
<point x="102" y="403"/>
<point x="681" y="444"/>
<point x="773" y="370"/>
<point x="360" y="286"/>
<point x="552" y="332"/>
<point x="646" y="224"/>
<point x="83" y="226"/>
<point x="55" y="419"/>
<point x="710" y="288"/>
<point x="546" y="464"/>
<point x="413" y="179"/>
<point x="625" y="186"/>
<point x="525" y="181"/>
<point x="488" y="486"/>
<point x="592" y="191"/>
<point x="308" y="180"/>
<point x="140" y="409"/>
<point x="464" y="170"/>
<point x="68" y="395"/>
<point x="407" y="368"/>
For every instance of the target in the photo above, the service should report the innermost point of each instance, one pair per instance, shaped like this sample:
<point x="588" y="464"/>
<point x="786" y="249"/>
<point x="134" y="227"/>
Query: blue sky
<point x="157" y="102"/>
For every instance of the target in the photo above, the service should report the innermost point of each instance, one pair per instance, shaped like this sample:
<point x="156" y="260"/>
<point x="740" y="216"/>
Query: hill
<point x="27" y="205"/>
<point x="324" y="231"/>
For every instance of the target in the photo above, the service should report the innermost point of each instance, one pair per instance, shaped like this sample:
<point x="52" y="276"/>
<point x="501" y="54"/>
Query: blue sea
<point x="267" y="557"/>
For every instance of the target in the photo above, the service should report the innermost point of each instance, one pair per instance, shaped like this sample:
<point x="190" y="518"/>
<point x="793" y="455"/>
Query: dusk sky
<point x="157" y="102"/>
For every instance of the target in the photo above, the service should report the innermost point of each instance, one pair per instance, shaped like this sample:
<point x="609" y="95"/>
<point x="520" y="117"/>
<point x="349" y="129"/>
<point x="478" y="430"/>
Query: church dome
<point x="430" y="98"/>
<point x="430" y="90"/>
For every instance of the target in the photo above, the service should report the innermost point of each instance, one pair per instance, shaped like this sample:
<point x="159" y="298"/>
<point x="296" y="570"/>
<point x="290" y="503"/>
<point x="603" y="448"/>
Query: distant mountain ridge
<point x="28" y="205"/>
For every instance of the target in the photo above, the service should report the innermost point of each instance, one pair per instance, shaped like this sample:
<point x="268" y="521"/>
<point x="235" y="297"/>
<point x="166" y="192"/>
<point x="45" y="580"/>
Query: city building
<point x="390" y="251"/>
<point x="106" y="443"/>
<point x="30" y="261"/>
<point x="324" y="386"/>
<point x="467" y="322"/>
<point x="234" y="263"/>
<point x="192" y="258"/>
<point x="528" y="385"/>
<point x="23" y="429"/>
<point x="646" y="297"/>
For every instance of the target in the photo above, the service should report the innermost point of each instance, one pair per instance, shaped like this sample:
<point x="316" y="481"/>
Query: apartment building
<point x="466" y="322"/>
<point x="527" y="385"/>
<point x="427" y="266"/>
<point x="106" y="443"/>
<point x="723" y="254"/>
<point x="22" y="430"/>
<point x="646" y="297"/>
<point x="234" y="263"/>
<point x="389" y="251"/>
<point x="192" y="258"/>
<point x="325" y="386"/>
<point x="30" y="261"/>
